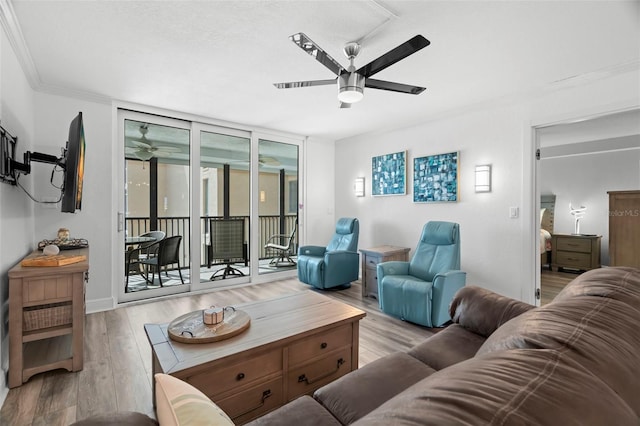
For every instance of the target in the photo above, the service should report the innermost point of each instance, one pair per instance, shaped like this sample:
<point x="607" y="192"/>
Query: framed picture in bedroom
<point x="389" y="174"/>
<point x="435" y="178"/>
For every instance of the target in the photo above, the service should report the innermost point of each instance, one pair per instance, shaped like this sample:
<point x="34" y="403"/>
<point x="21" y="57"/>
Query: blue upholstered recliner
<point x="421" y="290"/>
<point x="335" y="265"/>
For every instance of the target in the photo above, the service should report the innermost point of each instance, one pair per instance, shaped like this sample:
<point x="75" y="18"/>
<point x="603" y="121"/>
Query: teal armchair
<point x="421" y="290"/>
<point x="335" y="265"/>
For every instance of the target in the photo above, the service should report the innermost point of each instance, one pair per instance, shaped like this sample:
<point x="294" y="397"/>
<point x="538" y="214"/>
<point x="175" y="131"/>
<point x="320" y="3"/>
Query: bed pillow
<point x="179" y="403"/>
<point x="542" y="212"/>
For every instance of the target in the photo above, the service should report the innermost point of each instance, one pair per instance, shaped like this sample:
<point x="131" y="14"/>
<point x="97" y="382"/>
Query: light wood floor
<point x="552" y="282"/>
<point x="117" y="356"/>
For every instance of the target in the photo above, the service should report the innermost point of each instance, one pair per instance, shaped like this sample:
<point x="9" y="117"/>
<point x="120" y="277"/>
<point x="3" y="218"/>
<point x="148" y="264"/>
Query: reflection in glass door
<point x="278" y="205"/>
<point x="225" y="178"/>
<point x="157" y="209"/>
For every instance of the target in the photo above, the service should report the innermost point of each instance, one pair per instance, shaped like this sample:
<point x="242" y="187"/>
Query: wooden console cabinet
<point x="581" y="252"/>
<point x="46" y="318"/>
<point x="370" y="259"/>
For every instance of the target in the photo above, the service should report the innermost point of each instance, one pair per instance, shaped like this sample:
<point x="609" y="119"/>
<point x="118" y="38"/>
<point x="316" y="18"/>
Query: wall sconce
<point x="263" y="196"/>
<point x="483" y="178"/>
<point x="358" y="187"/>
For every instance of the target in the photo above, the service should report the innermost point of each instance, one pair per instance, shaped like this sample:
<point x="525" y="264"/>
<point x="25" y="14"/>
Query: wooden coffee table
<point x="294" y="345"/>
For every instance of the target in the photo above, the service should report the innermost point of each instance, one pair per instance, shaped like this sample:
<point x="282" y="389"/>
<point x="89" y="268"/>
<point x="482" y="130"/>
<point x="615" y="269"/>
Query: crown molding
<point x="13" y="31"/>
<point x="16" y="39"/>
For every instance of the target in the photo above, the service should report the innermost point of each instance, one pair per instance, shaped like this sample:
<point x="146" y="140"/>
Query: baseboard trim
<point x="99" y="305"/>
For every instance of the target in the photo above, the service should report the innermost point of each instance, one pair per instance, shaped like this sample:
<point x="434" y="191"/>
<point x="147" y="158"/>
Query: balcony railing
<point x="267" y="226"/>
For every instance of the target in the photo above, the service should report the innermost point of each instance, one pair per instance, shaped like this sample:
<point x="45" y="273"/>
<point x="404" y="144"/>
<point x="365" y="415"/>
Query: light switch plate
<point x="514" y="212"/>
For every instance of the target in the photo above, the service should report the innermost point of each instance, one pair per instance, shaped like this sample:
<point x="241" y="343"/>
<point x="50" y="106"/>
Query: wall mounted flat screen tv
<point x="73" y="167"/>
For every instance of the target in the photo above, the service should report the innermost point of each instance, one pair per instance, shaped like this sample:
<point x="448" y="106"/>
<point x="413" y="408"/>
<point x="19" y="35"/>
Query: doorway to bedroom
<point x="580" y="161"/>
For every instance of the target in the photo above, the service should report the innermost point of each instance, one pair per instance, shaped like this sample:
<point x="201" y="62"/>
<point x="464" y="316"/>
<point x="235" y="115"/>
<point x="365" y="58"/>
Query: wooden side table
<point x="370" y="259"/>
<point x="46" y="318"/>
<point x="580" y="252"/>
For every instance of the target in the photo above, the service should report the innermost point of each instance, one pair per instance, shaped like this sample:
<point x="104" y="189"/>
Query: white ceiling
<point x="220" y="58"/>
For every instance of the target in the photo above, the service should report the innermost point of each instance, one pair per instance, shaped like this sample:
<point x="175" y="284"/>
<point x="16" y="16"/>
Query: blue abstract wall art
<point x="388" y="174"/>
<point x="435" y="178"/>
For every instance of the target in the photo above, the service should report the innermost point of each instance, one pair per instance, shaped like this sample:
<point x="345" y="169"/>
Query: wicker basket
<point x="44" y="316"/>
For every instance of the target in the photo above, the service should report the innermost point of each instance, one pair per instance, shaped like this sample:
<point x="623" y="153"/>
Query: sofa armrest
<point x="483" y="311"/>
<point x="312" y="251"/>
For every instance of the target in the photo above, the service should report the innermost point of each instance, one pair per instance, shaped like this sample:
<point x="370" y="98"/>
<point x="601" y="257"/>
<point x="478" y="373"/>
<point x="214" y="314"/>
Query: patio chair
<point x="157" y="236"/>
<point x="282" y="252"/>
<point x="132" y="265"/>
<point x="163" y="253"/>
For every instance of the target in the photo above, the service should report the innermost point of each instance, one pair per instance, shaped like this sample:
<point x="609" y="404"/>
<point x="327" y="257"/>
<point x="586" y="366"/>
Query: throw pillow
<point x="179" y="403"/>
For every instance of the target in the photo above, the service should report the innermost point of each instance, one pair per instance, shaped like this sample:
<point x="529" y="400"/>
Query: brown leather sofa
<point x="575" y="361"/>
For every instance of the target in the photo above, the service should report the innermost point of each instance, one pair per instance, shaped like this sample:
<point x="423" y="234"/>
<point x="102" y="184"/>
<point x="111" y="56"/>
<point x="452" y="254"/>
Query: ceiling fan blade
<point x="162" y="154"/>
<point x="306" y="44"/>
<point x="407" y="48"/>
<point x="167" y="148"/>
<point x="294" y="84"/>
<point x="344" y="105"/>
<point x="393" y="87"/>
<point x="140" y="144"/>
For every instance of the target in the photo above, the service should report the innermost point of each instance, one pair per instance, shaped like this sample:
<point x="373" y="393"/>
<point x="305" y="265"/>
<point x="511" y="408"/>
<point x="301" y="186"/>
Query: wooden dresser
<point x="370" y="259"/>
<point x="581" y="252"/>
<point x="624" y="228"/>
<point x="46" y="317"/>
<point x="294" y="345"/>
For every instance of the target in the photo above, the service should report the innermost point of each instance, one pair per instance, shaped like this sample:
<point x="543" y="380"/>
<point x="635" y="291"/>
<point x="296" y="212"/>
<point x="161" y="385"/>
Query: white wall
<point x="585" y="180"/>
<point x="16" y="210"/>
<point x="483" y="218"/>
<point x="96" y="219"/>
<point x="497" y="252"/>
<point x="318" y="212"/>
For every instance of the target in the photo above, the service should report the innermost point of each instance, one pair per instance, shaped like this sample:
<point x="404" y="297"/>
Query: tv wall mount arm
<point x="9" y="166"/>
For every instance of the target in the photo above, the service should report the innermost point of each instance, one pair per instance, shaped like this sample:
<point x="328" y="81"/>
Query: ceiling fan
<point x="263" y="161"/>
<point x="144" y="149"/>
<point x="351" y="82"/>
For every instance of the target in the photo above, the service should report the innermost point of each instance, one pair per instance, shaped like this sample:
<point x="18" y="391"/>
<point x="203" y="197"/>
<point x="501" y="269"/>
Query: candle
<point x="213" y="315"/>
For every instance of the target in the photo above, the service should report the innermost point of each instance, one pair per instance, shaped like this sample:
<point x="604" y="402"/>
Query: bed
<point x="547" y="208"/>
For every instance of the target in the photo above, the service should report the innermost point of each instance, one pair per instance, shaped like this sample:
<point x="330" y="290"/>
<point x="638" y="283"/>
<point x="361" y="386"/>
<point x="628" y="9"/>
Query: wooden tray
<point x="189" y="328"/>
<point x="53" y="260"/>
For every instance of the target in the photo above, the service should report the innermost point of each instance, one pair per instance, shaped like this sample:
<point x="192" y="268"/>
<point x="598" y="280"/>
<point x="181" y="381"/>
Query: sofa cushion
<point x="303" y="411"/>
<point x="522" y="386"/>
<point x="447" y="347"/>
<point x="179" y="403"/>
<point x="619" y="283"/>
<point x="600" y="333"/>
<point x="359" y="392"/>
<point x="483" y="311"/>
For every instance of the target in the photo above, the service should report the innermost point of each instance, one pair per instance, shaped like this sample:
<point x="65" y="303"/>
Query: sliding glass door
<point x="224" y="180"/>
<point x="227" y="221"/>
<point x="278" y="205"/>
<point x="157" y="228"/>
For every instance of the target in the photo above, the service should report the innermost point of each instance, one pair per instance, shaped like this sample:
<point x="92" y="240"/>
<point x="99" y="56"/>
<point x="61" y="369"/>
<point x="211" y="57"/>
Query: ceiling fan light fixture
<point x="143" y="155"/>
<point x="351" y="88"/>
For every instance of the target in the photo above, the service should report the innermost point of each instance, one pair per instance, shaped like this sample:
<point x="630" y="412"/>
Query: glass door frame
<point x="196" y="185"/>
<point x="160" y="120"/>
<point x="256" y="136"/>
